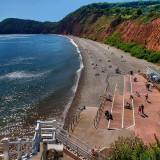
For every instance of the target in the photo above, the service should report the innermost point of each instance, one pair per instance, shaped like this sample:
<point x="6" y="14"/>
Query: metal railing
<point x="74" y="144"/>
<point x="47" y="131"/>
<point x="28" y="148"/>
<point x="19" y="149"/>
<point x="75" y="120"/>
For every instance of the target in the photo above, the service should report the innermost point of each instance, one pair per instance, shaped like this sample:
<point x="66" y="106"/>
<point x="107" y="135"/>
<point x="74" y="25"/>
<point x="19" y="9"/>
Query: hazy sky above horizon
<point x="43" y="10"/>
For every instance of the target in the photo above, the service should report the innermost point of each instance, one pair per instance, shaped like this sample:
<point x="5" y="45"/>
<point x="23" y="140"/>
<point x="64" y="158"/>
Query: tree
<point x="139" y="11"/>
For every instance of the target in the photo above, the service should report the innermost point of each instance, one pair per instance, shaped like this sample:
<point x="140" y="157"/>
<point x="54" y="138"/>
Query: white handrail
<point x="30" y="147"/>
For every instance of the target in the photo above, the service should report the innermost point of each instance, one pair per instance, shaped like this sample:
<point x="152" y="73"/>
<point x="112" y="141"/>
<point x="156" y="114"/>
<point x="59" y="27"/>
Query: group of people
<point x="117" y="70"/>
<point x="108" y="115"/>
<point x="109" y="97"/>
<point x="147" y="86"/>
<point x="94" y="154"/>
<point x="141" y="109"/>
<point x="97" y="74"/>
<point x="128" y="105"/>
<point x="135" y="79"/>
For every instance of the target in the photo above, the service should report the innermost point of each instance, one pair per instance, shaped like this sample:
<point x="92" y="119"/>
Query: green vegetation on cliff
<point x="91" y="14"/>
<point x="136" y="50"/>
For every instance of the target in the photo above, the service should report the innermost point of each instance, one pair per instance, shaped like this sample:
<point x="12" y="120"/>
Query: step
<point x="47" y="129"/>
<point x="103" y="122"/>
<point x="47" y="135"/>
<point x="128" y="113"/>
<point x="117" y="105"/>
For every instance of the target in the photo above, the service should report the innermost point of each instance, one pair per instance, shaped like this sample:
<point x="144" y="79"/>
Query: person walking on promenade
<point x="138" y="94"/>
<point x="131" y="97"/>
<point x="147" y="86"/>
<point x="142" y="107"/>
<point x="139" y="110"/>
<point x="146" y="96"/>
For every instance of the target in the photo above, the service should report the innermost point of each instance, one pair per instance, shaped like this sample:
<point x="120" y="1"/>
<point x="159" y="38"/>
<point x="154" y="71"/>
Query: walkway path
<point x="149" y="123"/>
<point x="143" y="125"/>
<point x="86" y="131"/>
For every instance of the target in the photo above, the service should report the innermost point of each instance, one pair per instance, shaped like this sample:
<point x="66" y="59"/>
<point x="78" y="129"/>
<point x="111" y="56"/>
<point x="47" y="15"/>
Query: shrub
<point x="135" y="50"/>
<point x="154" y="57"/>
<point x="127" y="148"/>
<point x="133" y="148"/>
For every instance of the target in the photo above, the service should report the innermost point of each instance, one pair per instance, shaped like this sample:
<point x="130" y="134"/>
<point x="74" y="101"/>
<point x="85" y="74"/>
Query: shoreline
<point x="71" y="111"/>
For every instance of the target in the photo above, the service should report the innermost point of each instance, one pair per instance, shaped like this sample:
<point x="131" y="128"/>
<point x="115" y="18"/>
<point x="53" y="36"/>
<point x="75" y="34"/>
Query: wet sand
<point x="91" y="87"/>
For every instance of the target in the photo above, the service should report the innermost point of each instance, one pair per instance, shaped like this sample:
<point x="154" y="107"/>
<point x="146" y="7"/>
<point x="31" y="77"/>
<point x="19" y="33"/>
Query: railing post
<point x="54" y="124"/>
<point x="6" y="148"/>
<point x="19" y="149"/>
<point x="36" y="141"/>
<point x="44" y="151"/>
<point x="77" y="151"/>
<point x="71" y="127"/>
<point x="33" y="146"/>
<point x="27" y="148"/>
<point x="76" y="118"/>
<point x="39" y="131"/>
<point x="54" y="133"/>
<point x="66" y="143"/>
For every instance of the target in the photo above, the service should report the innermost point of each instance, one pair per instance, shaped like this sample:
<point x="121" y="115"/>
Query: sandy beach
<point x="97" y="56"/>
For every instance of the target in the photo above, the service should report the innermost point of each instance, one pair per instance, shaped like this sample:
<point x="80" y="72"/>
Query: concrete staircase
<point x="122" y="117"/>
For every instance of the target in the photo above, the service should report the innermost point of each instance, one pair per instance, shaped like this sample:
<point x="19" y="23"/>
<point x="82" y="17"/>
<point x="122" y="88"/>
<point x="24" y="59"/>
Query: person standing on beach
<point x="147" y="87"/>
<point x="139" y="110"/>
<point x="142" y="107"/>
<point x="131" y="97"/>
<point x="146" y="96"/>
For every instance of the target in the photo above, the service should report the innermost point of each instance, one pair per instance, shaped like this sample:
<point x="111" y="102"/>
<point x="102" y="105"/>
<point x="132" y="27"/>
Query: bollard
<point x="39" y="131"/>
<point x="6" y="148"/>
<point x="27" y="148"/>
<point x="19" y="149"/>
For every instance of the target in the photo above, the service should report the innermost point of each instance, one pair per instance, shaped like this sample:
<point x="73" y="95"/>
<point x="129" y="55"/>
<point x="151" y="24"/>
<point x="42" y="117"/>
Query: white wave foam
<point x="20" y="75"/>
<point x="74" y="88"/>
<point x="71" y="40"/>
<point x="13" y="36"/>
<point x="19" y="60"/>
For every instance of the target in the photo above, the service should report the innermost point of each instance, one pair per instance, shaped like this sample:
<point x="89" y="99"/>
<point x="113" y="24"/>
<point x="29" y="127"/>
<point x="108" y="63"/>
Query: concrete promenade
<point x="125" y="121"/>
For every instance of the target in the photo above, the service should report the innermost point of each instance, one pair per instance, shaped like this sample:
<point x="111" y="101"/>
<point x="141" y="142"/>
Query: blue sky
<point x="43" y="10"/>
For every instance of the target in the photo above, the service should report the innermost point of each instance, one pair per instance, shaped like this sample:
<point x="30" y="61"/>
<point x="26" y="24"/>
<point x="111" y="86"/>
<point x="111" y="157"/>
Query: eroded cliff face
<point x="147" y="35"/>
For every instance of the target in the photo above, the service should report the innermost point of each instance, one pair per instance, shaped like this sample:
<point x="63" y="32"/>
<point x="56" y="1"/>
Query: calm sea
<point x="38" y="79"/>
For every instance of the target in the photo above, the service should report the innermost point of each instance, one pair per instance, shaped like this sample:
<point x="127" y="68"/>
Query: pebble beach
<point x="98" y="74"/>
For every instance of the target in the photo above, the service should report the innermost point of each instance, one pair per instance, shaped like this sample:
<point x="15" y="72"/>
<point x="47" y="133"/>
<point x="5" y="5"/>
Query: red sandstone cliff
<point x="148" y="35"/>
